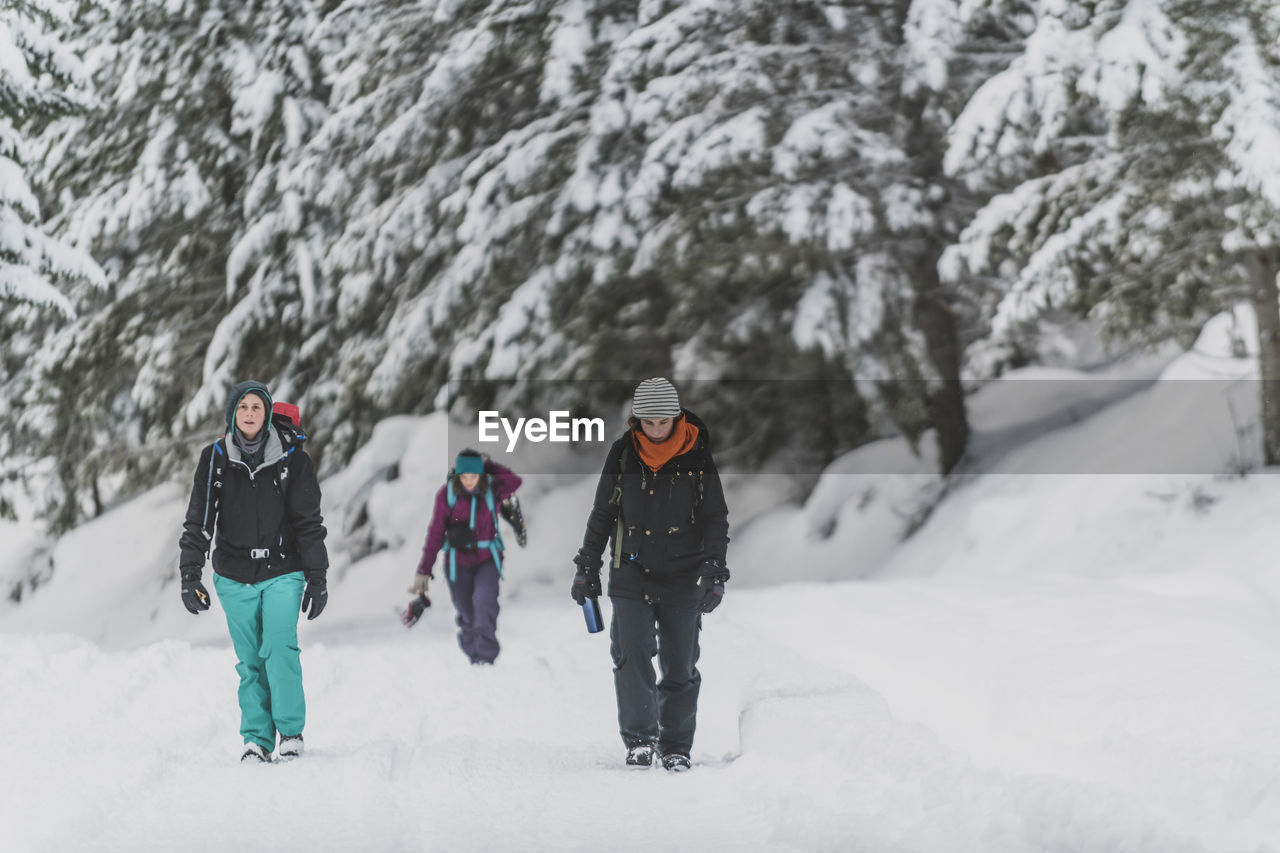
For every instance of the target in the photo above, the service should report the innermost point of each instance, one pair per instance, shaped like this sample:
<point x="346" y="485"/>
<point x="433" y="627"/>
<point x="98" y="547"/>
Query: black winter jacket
<point x="675" y="524"/>
<point x="268" y="521"/>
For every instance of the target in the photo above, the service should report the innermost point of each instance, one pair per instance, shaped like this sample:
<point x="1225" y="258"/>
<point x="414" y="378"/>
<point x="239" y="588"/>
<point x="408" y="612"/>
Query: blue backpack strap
<point x="493" y="513"/>
<point x="450" y="499"/>
<point x="494" y="545"/>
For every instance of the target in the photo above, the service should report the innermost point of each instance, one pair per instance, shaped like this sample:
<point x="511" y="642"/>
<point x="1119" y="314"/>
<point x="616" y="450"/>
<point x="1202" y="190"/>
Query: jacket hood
<point x="249" y="386"/>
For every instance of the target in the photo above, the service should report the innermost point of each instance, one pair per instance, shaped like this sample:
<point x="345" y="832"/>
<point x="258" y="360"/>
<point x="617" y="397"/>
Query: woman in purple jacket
<point x="464" y="527"/>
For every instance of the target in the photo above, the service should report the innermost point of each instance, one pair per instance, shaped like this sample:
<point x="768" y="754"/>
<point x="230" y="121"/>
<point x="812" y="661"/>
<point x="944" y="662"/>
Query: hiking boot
<point x="290" y="747"/>
<point x="255" y="753"/>
<point x="675" y="762"/>
<point x="640" y="755"/>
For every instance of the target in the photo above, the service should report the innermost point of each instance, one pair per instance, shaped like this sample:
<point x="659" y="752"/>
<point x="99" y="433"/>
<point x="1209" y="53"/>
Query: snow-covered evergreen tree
<point x="177" y="184"/>
<point x="400" y="205"/>
<point x="943" y="51"/>
<point x="604" y="191"/>
<point x="1141" y="194"/>
<point x="500" y="166"/>
<point x="41" y="79"/>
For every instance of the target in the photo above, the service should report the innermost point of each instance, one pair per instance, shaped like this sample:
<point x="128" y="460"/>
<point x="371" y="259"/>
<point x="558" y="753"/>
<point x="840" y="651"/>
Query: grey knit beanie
<point x="655" y="398"/>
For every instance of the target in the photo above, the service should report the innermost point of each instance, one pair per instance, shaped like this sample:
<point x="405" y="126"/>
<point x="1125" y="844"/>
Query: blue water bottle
<point x="591" y="610"/>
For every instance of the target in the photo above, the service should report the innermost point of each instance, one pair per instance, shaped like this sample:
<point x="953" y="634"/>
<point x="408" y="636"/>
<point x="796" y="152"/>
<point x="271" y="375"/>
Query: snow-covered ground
<point x="1053" y="662"/>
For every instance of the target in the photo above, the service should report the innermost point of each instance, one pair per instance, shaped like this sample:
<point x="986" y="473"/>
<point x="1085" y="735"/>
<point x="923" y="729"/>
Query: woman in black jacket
<point x="660" y="498"/>
<point x="257" y="501"/>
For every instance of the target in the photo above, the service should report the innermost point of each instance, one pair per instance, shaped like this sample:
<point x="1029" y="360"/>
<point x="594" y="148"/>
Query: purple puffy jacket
<point x="504" y="483"/>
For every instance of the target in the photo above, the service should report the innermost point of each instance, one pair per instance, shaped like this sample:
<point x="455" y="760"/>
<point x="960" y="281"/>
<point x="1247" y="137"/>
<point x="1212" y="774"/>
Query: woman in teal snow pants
<point x="256" y="500"/>
<point x="263" y="619"/>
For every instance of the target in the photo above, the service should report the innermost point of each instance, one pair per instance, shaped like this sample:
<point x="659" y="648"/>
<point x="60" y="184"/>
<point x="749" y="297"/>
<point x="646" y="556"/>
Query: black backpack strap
<point x="701" y="491"/>
<point x="213" y="488"/>
<point x="284" y="478"/>
<point x="291" y="438"/>
<point x="616" y="499"/>
<point x="697" y="497"/>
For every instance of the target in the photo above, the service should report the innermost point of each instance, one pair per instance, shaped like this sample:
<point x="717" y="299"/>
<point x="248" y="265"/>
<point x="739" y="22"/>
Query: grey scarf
<point x="252" y="451"/>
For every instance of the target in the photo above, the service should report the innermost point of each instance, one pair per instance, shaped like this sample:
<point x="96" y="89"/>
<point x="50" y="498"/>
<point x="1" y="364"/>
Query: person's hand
<point x="415" y="610"/>
<point x="194" y="596"/>
<point x="315" y="596"/>
<point x="419" y="585"/>
<point x="715" y="570"/>
<point x="586" y="584"/>
<point x="712" y="594"/>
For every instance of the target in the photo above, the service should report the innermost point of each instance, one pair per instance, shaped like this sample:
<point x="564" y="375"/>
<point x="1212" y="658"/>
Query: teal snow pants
<point x="263" y="618"/>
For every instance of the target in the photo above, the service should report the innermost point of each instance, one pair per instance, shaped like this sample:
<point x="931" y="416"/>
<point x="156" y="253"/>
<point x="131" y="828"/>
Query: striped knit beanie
<point x="655" y="398"/>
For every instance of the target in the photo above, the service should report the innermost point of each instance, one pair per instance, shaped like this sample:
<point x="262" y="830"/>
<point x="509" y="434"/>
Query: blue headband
<point x="468" y="464"/>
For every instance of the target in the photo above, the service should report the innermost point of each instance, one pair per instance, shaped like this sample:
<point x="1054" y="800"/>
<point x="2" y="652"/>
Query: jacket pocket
<point x="683" y="540"/>
<point x="681" y="497"/>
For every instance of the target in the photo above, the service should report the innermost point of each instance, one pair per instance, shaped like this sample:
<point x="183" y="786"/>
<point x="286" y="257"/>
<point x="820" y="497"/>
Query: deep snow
<point x="1054" y="661"/>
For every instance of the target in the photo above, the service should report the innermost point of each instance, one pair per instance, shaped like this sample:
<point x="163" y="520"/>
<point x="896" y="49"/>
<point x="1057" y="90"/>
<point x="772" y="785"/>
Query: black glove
<point x="194" y="596"/>
<point x="315" y="596"/>
<point x="712" y="594"/>
<point x="714" y="569"/>
<point x="416" y="608"/>
<point x="586" y="584"/>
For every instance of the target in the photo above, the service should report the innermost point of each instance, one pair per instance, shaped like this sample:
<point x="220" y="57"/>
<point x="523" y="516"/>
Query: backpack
<point x="494" y="545"/>
<point x="287" y="420"/>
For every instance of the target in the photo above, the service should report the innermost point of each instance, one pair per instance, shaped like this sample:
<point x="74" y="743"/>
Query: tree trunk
<point x="1264" y="264"/>
<point x="946" y="395"/>
<point x="925" y="144"/>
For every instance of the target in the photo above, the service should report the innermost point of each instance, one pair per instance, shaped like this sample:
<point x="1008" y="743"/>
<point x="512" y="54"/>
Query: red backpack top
<point x="287" y="412"/>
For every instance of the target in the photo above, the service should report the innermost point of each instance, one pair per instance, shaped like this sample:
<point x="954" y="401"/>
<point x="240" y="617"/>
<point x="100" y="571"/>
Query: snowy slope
<point x="1078" y="719"/>
<point x="1055" y="661"/>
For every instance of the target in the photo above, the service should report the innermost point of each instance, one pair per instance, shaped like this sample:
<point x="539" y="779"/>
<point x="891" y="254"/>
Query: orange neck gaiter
<point x="684" y="436"/>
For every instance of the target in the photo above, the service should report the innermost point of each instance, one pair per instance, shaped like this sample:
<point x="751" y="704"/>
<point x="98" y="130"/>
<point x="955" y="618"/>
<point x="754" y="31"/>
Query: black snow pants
<point x="649" y="711"/>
